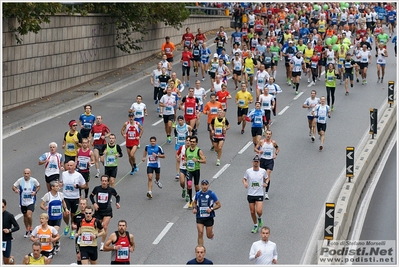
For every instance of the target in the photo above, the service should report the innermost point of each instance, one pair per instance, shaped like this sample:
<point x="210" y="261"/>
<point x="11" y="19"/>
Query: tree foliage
<point x="29" y="16"/>
<point x="128" y="18"/>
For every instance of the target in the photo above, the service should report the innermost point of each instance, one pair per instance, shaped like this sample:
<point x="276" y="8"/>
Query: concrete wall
<point x="72" y="50"/>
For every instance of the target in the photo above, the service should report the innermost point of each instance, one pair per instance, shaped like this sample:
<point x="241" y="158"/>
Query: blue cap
<point x="204" y="181"/>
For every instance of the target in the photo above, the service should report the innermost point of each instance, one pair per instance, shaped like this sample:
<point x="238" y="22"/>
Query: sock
<point x="297" y="86"/>
<point x="189" y="193"/>
<point x="98" y="170"/>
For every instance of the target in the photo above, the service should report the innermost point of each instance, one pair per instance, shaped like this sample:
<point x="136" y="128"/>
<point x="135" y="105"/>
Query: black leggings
<point x="315" y="74"/>
<point x="330" y="90"/>
<point x="185" y="69"/>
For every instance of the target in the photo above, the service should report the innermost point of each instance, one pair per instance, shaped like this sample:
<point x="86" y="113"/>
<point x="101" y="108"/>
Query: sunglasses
<point x="88" y="213"/>
<point x="74" y="125"/>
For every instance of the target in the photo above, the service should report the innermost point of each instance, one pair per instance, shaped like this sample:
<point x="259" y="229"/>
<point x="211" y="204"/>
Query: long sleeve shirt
<point x="268" y="252"/>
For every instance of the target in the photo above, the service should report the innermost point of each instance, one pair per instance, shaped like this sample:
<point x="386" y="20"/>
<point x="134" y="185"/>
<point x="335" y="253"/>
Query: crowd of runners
<point x="319" y="44"/>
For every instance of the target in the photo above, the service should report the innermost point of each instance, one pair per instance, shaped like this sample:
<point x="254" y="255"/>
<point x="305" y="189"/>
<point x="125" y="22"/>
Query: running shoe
<point x="296" y="92"/>
<point x="156" y="102"/>
<point x="332" y="108"/>
<point x="72" y="235"/>
<point x="260" y="223"/>
<point x="320" y="148"/>
<point x="255" y="229"/>
<point x="102" y="246"/>
<point x="136" y="169"/>
<point x="173" y="124"/>
<point x="138" y="146"/>
<point x="218" y="162"/>
<point x="183" y="193"/>
<point x="347" y="93"/>
<point x="149" y="194"/>
<point x="310" y="133"/>
<point x="158" y="183"/>
<point x="357" y="80"/>
<point x="57" y="247"/>
<point x="66" y="230"/>
<point x="132" y="172"/>
<point x="203" y="79"/>
<point x="26" y="234"/>
<point x="177" y="177"/>
<point x="169" y="139"/>
<point x="187" y="198"/>
<point x="293" y="86"/>
<point x="250" y="88"/>
<point x="158" y="109"/>
<point x="351" y="84"/>
<point x="242" y="131"/>
<point x="160" y="115"/>
<point x="312" y="138"/>
<point x="97" y="175"/>
<point x="190" y="205"/>
<point x="382" y="79"/>
<point x="212" y="148"/>
<point x="266" y="196"/>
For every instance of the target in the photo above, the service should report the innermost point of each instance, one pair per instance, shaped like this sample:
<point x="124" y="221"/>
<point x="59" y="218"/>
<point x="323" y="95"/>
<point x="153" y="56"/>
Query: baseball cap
<point x="204" y="181"/>
<point x="215" y="55"/>
<point x="131" y="114"/>
<point x="256" y="158"/>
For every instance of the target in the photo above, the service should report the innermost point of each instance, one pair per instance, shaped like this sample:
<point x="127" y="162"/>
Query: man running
<point x="98" y="133"/>
<point x="53" y="164"/>
<point x="86" y="121"/>
<point x="132" y="131"/>
<point x="121" y="244"/>
<point x="219" y="125"/>
<point x="152" y="153"/>
<point x="72" y="141"/>
<point x="243" y="98"/>
<point x="310" y="103"/>
<point x="112" y="152"/>
<point x="321" y="112"/>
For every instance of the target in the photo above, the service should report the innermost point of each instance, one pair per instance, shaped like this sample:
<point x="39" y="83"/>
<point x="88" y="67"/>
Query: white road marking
<point x="282" y="111"/>
<point x="245" y="147"/>
<point x="18" y="216"/>
<point x="158" y="122"/>
<point x="162" y="234"/>
<point x="296" y="97"/>
<point x="221" y="171"/>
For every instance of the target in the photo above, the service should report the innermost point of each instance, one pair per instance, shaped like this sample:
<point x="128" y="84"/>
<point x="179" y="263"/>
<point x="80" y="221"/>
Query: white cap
<point x="215" y="55"/>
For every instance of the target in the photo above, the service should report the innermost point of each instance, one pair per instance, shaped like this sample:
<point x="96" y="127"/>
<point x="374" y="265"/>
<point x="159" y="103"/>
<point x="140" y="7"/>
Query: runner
<point x="53" y="164"/>
<point x="261" y="78"/>
<point x="168" y="102"/>
<point x="153" y="153"/>
<point x="168" y="48"/>
<point x="71" y="182"/>
<point x="211" y="109"/>
<point x="182" y="131"/>
<point x="72" y="141"/>
<point x="205" y="58"/>
<point x="180" y="160"/>
<point x="79" y="216"/>
<point x="268" y="150"/>
<point x="196" y="56"/>
<point x="122" y="244"/>
<point x="86" y="121"/>
<point x="255" y="179"/>
<point x="205" y="203"/>
<point x="267" y="104"/>
<point x="348" y="66"/>
<point x="200" y="94"/>
<point x="331" y="81"/>
<point x="98" y="133"/>
<point x="191" y="109"/>
<point x="256" y="116"/>
<point x="321" y="112"/>
<point x="243" y="98"/>
<point x="222" y="97"/>
<point x="249" y="66"/>
<point x="155" y="82"/>
<point x="187" y="39"/>
<point x="46" y="235"/>
<point x="84" y="160"/>
<point x="310" y="103"/>
<point x="163" y="83"/>
<point x="186" y="58"/>
<point x="112" y="152"/>
<point x="27" y="188"/>
<point x="132" y="131"/>
<point x="90" y="229"/>
<point x="9" y="225"/>
<point x="35" y="257"/>
<point x="219" y="125"/>
<point x="54" y="203"/>
<point x="101" y="199"/>
<point x="237" y="67"/>
<point x="297" y="64"/>
<point x="382" y="53"/>
<point x="193" y="158"/>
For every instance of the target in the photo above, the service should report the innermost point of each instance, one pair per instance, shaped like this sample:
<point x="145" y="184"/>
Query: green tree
<point x="127" y="18"/>
<point x="29" y="16"/>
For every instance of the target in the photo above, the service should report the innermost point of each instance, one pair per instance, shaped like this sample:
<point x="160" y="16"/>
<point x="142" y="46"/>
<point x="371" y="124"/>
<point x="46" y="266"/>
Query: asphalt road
<point x="300" y="182"/>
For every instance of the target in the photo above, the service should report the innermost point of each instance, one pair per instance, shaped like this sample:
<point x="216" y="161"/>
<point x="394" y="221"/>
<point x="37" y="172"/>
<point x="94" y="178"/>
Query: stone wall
<point x="72" y="50"/>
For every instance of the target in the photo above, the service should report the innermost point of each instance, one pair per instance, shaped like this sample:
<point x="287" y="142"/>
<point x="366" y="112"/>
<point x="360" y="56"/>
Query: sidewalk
<point x="19" y="118"/>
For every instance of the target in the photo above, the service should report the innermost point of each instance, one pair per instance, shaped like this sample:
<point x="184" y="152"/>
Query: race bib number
<point x="26" y="196"/>
<point x="111" y="160"/>
<point x="196" y="52"/>
<point x="330" y="78"/>
<point x="255" y="184"/>
<point x="70" y="147"/>
<point x="97" y="136"/>
<point x="185" y="63"/>
<point x="267" y="153"/>
<point x="123" y="253"/>
<point x="364" y="60"/>
<point x="131" y="135"/>
<point x="87" y="125"/>
<point x="4" y="245"/>
<point x="187" y="43"/>
<point x="241" y="102"/>
<point x="214" y="111"/>
<point x="163" y="85"/>
<point x="102" y="197"/>
<point x="260" y="80"/>
<point x="69" y="188"/>
<point x="139" y="113"/>
<point x="218" y="131"/>
<point x="189" y="111"/>
<point x="168" y="108"/>
<point x="265" y="104"/>
<point x="223" y="105"/>
<point x="55" y="210"/>
<point x="87" y="239"/>
<point x="314" y="65"/>
<point x="44" y="239"/>
<point x="152" y="159"/>
<point x="190" y="164"/>
<point x="258" y="119"/>
<point x="347" y="65"/>
<point x="248" y="70"/>
<point x="203" y="213"/>
<point x="237" y="68"/>
<point x="321" y="118"/>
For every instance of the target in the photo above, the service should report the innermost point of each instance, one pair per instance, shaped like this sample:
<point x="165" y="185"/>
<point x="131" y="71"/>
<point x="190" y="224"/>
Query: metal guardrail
<point x="200" y="10"/>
